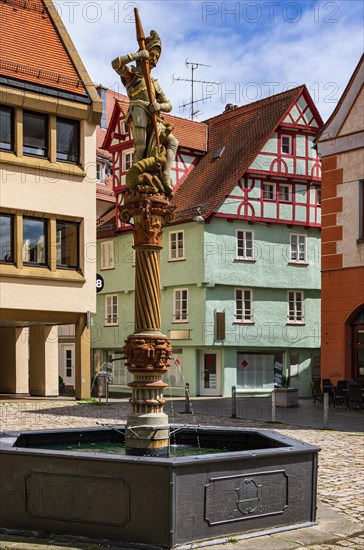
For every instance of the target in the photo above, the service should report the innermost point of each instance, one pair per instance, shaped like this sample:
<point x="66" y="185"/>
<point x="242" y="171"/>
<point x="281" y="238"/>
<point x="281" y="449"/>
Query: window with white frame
<point x="100" y="172"/>
<point x="244" y="245"/>
<point x="269" y="191"/>
<point x="286" y="145"/>
<point x="298" y="248"/>
<point x="111" y="309"/>
<point x="107" y="255"/>
<point x="180" y="305"/>
<point x="285" y="192"/>
<point x="127" y="160"/>
<point x="176" y="245"/>
<point x="243" y="305"/>
<point x="295" y="306"/>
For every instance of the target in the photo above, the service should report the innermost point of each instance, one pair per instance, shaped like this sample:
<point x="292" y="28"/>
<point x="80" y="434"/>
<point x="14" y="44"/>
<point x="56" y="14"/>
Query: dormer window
<point x="100" y="172"/>
<point x="286" y="145"/>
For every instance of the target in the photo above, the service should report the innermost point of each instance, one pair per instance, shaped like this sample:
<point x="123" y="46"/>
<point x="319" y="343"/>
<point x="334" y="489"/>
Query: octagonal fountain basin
<point x="230" y="482"/>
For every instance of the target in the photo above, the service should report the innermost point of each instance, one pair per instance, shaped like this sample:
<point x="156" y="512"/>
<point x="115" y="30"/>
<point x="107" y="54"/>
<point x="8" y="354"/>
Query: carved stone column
<point x="147" y="350"/>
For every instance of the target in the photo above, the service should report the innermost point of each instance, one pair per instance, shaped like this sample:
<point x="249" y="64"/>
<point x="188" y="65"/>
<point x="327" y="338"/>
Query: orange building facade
<point x="341" y="148"/>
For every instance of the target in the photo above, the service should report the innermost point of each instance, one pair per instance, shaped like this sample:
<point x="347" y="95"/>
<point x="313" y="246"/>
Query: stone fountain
<point x="64" y="481"/>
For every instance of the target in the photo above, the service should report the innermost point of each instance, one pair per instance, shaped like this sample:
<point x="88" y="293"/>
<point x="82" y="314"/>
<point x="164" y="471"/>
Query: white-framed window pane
<point x="127" y="160"/>
<point x="243" y="305"/>
<point x="245" y="244"/>
<point x="111" y="309"/>
<point x="107" y="255"/>
<point x="298" y="248"/>
<point x="268" y="191"/>
<point x="285" y="193"/>
<point x="180" y="305"/>
<point x="295" y="306"/>
<point x="176" y="245"/>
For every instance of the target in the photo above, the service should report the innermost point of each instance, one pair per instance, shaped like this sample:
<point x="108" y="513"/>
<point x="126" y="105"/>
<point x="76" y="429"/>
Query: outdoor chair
<point x="355" y="398"/>
<point x="341" y="393"/>
<point x="316" y="391"/>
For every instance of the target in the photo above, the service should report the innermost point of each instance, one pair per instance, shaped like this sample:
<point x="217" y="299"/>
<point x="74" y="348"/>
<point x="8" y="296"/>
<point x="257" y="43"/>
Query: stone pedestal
<point x="147" y="350"/>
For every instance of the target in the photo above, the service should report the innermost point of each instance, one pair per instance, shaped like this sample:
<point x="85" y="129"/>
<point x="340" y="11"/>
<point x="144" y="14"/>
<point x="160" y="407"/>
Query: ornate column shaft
<point x="147" y="350"/>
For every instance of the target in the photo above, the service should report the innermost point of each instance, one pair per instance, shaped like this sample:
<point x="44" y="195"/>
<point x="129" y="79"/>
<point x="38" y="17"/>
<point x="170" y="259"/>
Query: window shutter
<point x="220" y="325"/>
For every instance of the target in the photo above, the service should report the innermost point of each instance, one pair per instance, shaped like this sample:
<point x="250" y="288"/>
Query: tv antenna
<point x="193" y="66"/>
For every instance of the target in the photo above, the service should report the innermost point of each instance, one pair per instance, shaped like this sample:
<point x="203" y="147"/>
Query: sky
<point x="245" y="50"/>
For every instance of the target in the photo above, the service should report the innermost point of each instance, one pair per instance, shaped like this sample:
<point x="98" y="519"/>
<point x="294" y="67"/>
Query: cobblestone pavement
<point x="341" y="460"/>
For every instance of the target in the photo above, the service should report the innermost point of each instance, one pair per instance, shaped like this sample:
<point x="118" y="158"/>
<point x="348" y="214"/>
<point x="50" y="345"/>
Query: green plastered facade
<point x="211" y="273"/>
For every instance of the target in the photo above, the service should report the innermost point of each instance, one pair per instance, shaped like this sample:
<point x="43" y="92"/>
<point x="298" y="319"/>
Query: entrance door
<point x="210" y="374"/>
<point x="67" y="367"/>
<point x="358" y="353"/>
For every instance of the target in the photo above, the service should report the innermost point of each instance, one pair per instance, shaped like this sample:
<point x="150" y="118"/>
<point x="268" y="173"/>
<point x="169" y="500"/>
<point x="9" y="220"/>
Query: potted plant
<point x="285" y="395"/>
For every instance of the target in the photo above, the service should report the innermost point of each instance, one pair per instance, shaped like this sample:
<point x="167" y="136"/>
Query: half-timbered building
<point x="241" y="261"/>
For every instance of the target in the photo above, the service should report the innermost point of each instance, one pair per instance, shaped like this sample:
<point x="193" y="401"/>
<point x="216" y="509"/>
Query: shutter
<point x="220" y="325"/>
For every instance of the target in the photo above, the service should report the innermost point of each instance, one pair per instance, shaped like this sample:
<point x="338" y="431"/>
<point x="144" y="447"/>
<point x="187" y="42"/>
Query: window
<point x="180" y="305"/>
<point x="361" y="210"/>
<point x="6" y="238"/>
<point x="34" y="244"/>
<point x="286" y="142"/>
<point x="111" y="309"/>
<point x="243" y="305"/>
<point x="244" y="245"/>
<point x="295" y="307"/>
<point x="107" y="255"/>
<point x="67" y="244"/>
<point x="68" y="141"/>
<point x="285" y="193"/>
<point x="318" y="196"/>
<point x="127" y="160"/>
<point x="35" y="134"/>
<point x="100" y="172"/>
<point x="298" y="248"/>
<point x="176" y="245"/>
<point x="269" y="191"/>
<point x="6" y="128"/>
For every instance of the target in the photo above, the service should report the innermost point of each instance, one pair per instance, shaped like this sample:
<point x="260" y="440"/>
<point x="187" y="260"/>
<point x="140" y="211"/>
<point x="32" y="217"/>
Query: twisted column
<point x="147" y="350"/>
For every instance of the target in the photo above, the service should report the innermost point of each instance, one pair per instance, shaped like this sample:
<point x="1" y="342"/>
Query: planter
<point x="286" y="397"/>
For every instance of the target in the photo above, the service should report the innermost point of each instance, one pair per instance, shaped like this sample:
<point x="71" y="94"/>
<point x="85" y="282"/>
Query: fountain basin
<point x="261" y="482"/>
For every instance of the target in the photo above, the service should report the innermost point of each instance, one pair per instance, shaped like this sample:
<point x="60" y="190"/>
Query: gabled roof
<point x="36" y="48"/>
<point x="344" y="105"/>
<point x="242" y="133"/>
<point x="190" y="134"/>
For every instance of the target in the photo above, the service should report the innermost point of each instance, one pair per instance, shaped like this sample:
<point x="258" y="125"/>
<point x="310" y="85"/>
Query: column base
<point x="147" y="435"/>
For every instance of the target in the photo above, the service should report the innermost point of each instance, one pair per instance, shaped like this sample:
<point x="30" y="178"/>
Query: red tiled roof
<point x="242" y="132"/>
<point x="104" y="191"/>
<point x="31" y="48"/>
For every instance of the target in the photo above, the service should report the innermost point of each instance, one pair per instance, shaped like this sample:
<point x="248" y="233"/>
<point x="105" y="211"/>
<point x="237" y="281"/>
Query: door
<point x="210" y="374"/>
<point x="67" y="370"/>
<point x="358" y="353"/>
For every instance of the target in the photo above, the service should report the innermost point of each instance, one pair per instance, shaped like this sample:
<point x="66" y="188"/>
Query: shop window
<point x="35" y="134"/>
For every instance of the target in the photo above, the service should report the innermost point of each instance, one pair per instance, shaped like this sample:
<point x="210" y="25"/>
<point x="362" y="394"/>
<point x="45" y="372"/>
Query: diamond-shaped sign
<point x="244" y="363"/>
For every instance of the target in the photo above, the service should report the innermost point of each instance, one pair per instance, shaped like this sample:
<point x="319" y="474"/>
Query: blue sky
<point x="254" y="47"/>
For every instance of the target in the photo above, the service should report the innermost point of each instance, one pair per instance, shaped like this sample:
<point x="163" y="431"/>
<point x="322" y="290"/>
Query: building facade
<point x="341" y="148"/>
<point x="240" y="267"/>
<point x="49" y="112"/>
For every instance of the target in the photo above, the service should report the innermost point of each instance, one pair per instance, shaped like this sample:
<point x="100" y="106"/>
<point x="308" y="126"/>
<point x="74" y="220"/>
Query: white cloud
<point x="317" y="44"/>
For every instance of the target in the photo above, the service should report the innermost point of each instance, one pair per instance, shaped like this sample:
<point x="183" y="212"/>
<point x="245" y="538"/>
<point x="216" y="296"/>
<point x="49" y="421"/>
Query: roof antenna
<point x="193" y="66"/>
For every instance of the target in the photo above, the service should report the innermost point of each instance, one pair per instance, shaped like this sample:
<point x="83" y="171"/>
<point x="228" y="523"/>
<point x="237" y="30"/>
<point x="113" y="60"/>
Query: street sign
<point x="99" y="283"/>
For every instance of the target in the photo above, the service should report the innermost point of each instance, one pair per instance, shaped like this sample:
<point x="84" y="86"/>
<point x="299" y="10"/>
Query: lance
<point x="146" y="73"/>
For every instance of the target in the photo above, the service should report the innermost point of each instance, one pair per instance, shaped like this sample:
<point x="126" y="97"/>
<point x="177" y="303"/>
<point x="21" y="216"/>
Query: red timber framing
<point x="118" y="142"/>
